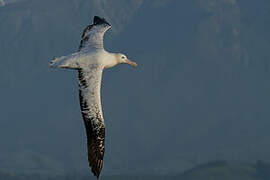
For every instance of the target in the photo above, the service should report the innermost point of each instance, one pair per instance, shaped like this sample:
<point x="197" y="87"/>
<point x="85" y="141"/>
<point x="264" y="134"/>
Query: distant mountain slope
<point x="222" y="171"/>
<point x="200" y="93"/>
<point x="211" y="171"/>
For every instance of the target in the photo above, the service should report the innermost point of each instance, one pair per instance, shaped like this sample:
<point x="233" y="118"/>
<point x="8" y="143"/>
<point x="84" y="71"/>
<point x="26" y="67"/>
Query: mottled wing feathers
<point x="89" y="93"/>
<point x="92" y="36"/>
<point x="85" y="38"/>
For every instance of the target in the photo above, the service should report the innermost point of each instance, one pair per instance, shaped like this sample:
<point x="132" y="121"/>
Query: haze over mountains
<point x="200" y="93"/>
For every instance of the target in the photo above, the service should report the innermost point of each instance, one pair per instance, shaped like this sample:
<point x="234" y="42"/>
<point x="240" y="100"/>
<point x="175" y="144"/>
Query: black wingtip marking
<point x="98" y="20"/>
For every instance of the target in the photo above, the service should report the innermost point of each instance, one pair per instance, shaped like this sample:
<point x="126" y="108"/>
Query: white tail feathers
<point x="55" y="62"/>
<point x="69" y="62"/>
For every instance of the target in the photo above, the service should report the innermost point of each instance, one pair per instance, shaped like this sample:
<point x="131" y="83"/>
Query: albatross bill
<point x="131" y="63"/>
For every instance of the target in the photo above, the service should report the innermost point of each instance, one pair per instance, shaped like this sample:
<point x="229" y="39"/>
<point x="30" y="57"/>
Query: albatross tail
<point x="69" y="62"/>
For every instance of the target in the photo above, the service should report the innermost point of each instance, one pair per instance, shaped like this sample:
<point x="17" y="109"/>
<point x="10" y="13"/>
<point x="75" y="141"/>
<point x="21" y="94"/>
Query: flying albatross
<point x="90" y="61"/>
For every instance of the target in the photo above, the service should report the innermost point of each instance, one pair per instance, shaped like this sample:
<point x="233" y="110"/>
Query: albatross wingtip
<point x="99" y="20"/>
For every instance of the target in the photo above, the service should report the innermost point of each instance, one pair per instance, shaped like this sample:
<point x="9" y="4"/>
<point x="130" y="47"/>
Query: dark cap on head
<point x="98" y="20"/>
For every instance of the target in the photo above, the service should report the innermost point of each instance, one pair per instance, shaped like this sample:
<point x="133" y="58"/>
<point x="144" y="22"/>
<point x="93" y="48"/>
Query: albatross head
<point x="121" y="58"/>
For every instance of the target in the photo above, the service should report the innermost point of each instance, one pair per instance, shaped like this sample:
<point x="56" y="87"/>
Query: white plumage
<point x="90" y="61"/>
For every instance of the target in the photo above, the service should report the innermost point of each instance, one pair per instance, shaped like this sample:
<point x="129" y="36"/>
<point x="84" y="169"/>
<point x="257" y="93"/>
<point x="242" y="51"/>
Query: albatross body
<point x="90" y="61"/>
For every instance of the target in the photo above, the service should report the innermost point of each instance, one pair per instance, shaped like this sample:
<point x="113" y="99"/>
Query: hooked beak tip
<point x="131" y="63"/>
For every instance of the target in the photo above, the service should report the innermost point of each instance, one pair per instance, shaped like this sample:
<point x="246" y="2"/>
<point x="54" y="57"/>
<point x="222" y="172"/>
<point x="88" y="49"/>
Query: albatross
<point x="89" y="61"/>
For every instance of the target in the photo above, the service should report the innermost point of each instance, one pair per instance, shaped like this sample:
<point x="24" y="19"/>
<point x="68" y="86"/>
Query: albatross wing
<point x="92" y="36"/>
<point x="89" y="92"/>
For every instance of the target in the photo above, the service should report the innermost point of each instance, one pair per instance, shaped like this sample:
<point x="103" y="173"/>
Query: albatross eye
<point x="123" y="57"/>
